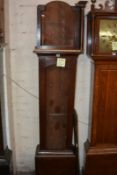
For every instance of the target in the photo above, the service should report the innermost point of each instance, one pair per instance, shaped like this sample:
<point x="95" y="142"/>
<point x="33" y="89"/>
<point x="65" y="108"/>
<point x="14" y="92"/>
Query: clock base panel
<point x="101" y="161"/>
<point x="56" y="162"/>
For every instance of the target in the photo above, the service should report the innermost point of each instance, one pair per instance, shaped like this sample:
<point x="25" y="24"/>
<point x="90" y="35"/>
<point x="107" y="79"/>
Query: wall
<point x="22" y="83"/>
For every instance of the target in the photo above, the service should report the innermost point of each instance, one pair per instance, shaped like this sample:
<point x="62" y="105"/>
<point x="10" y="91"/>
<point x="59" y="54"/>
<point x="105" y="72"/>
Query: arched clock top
<point x="54" y="33"/>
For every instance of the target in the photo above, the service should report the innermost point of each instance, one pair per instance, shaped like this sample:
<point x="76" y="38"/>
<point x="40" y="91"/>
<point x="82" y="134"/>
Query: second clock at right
<point x="101" y="148"/>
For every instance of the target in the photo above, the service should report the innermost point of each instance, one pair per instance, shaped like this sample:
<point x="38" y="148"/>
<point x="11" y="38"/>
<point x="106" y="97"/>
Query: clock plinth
<point x="101" y="160"/>
<point x="59" y="43"/>
<point x="57" y="162"/>
<point x="101" y="150"/>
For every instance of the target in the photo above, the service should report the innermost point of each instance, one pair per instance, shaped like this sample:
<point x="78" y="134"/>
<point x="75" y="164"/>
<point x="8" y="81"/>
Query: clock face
<point x="108" y="35"/>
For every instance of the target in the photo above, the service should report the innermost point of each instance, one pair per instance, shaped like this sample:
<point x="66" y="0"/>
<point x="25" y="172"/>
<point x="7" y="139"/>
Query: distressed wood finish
<point x="56" y="123"/>
<point x="58" y="39"/>
<point x="56" y="30"/>
<point x="101" y="151"/>
<point x="57" y="84"/>
<point x="57" y="134"/>
<point x="57" y="162"/>
<point x="54" y="33"/>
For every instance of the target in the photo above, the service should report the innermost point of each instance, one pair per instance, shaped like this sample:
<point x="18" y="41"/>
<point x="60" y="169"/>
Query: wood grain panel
<point x="59" y="26"/>
<point x="104" y="129"/>
<point x="57" y="87"/>
<point x="55" y="27"/>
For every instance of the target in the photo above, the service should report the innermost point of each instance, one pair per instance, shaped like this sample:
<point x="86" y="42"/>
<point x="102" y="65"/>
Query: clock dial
<point x="108" y="35"/>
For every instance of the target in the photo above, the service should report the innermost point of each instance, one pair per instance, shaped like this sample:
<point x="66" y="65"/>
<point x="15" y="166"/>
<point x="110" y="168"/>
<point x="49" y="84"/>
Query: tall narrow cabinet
<point x="59" y="42"/>
<point x="101" y="149"/>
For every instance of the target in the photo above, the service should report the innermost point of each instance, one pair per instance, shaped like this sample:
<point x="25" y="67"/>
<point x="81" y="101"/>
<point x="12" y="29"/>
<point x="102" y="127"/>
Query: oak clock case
<point x="59" y="42"/>
<point x="101" y="150"/>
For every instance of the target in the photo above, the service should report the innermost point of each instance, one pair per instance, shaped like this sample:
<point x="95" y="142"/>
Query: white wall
<point x="22" y="78"/>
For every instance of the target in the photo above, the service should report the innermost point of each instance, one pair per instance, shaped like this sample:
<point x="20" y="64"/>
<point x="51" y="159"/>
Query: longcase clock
<point x="59" y="42"/>
<point x="101" y="149"/>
